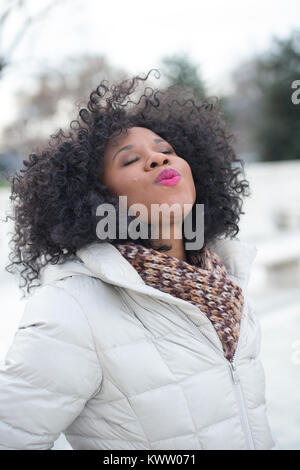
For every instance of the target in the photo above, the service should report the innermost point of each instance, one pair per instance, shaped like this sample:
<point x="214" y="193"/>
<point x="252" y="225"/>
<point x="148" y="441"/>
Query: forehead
<point x="133" y="134"/>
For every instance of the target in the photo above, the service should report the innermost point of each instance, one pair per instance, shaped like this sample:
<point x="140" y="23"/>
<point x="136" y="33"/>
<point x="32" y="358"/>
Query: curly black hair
<point x="56" y="193"/>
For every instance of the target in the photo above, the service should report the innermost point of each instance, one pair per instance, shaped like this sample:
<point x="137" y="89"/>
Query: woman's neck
<point x="177" y="250"/>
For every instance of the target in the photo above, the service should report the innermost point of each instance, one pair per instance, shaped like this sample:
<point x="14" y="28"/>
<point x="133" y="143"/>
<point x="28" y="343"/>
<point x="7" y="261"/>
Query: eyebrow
<point x="128" y="147"/>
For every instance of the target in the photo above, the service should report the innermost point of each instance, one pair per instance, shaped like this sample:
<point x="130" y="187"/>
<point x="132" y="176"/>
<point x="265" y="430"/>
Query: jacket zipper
<point x="236" y="384"/>
<point x="235" y="378"/>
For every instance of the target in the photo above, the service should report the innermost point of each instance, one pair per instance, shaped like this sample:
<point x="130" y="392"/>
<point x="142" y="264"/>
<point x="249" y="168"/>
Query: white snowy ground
<point x="278" y="312"/>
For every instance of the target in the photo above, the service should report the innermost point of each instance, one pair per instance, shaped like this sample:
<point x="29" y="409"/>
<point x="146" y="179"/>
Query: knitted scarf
<point x="204" y="283"/>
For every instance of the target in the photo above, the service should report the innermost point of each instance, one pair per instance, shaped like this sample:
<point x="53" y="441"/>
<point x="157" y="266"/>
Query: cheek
<point x="137" y="193"/>
<point x="131" y="187"/>
<point x="194" y="190"/>
<point x="191" y="181"/>
<point x="116" y="185"/>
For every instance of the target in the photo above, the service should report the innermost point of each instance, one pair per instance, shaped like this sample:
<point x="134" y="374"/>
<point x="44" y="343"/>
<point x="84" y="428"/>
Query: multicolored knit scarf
<point x="205" y="283"/>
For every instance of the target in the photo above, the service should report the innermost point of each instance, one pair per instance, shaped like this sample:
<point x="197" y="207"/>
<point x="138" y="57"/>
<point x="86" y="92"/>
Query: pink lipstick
<point x="168" y="177"/>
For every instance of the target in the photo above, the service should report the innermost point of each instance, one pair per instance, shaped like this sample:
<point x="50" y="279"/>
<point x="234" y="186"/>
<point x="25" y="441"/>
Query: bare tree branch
<point x="28" y="22"/>
<point x="6" y="13"/>
<point x="5" y="56"/>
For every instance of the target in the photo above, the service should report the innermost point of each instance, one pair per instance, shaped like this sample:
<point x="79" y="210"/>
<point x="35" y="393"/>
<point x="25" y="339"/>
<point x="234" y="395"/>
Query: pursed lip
<point x="166" y="174"/>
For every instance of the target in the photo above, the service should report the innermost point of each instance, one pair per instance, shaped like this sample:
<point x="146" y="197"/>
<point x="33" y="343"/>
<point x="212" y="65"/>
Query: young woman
<point x="134" y="343"/>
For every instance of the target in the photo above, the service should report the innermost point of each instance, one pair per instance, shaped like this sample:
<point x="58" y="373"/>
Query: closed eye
<point x="136" y="159"/>
<point x="128" y="163"/>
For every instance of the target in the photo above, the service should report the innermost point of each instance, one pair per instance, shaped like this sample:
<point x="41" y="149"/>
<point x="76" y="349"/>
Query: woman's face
<point x="132" y="163"/>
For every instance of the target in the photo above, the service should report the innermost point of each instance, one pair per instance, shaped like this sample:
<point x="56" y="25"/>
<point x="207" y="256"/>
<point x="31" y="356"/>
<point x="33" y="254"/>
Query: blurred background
<point x="53" y="53"/>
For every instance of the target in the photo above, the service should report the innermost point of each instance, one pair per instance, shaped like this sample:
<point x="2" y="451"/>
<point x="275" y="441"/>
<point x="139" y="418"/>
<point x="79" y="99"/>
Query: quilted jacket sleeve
<point x="49" y="372"/>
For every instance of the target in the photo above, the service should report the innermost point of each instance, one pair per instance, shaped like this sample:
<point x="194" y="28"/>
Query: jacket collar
<point x="105" y="262"/>
<point x="238" y="258"/>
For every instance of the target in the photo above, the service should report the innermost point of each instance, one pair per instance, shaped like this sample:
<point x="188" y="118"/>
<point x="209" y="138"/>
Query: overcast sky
<point x="135" y="35"/>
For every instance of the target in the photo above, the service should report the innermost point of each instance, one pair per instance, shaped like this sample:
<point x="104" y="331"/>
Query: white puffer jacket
<point x="116" y="364"/>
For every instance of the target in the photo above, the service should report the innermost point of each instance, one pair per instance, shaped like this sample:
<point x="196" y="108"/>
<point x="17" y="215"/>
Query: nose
<point x="156" y="160"/>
